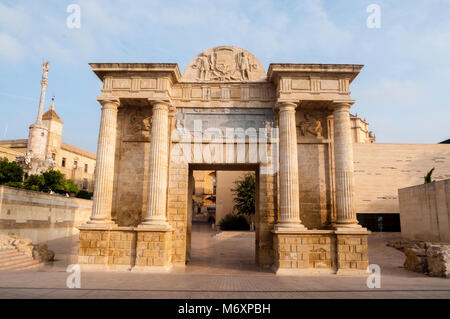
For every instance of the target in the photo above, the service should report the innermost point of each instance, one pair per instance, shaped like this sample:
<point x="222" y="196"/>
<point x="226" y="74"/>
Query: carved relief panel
<point x="137" y="125"/>
<point x="312" y="125"/>
<point x="224" y="64"/>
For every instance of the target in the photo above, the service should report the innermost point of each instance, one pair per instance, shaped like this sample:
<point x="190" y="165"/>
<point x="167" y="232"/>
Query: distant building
<point x="44" y="148"/>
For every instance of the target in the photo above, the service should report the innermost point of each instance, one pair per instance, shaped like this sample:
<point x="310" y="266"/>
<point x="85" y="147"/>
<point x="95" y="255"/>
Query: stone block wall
<point x="265" y="219"/>
<point x="381" y="169"/>
<point x="315" y="185"/>
<point x="177" y="210"/>
<point x="303" y="251"/>
<point x="352" y="252"/>
<point x="125" y="247"/>
<point x="320" y="251"/>
<point x="425" y="211"/>
<point x="107" y="247"/>
<point x="154" y="248"/>
<point x="122" y="247"/>
<point x="41" y="216"/>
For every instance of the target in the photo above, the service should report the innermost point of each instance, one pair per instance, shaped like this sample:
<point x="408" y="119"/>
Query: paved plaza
<point x="222" y="266"/>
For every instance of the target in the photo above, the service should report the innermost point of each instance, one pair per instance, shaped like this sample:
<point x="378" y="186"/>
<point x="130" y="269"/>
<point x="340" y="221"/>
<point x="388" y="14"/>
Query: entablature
<point x="317" y="82"/>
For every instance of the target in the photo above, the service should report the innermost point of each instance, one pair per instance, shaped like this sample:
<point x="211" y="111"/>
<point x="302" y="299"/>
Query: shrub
<point x="70" y="187"/>
<point x="15" y="184"/>
<point x="84" y="194"/>
<point x="234" y="222"/>
<point x="34" y="182"/>
<point x="427" y="178"/>
<point x="10" y="172"/>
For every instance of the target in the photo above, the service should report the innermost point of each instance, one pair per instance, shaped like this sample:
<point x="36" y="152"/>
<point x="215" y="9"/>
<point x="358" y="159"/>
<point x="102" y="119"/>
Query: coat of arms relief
<point x="138" y="127"/>
<point x="224" y="64"/>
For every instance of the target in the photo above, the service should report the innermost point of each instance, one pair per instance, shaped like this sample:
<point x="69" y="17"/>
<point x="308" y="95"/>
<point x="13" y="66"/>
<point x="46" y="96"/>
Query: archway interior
<point x="210" y="200"/>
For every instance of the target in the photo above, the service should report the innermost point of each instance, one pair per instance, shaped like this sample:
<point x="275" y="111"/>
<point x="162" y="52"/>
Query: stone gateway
<point x="290" y="125"/>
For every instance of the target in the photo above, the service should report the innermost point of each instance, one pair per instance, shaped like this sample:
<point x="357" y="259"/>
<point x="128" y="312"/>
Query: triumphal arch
<point x="290" y="124"/>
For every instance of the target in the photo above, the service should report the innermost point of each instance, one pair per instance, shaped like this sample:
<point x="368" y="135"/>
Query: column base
<point x="289" y="227"/>
<point x="348" y="227"/>
<point x="99" y="224"/>
<point x="155" y="226"/>
<point x="151" y="269"/>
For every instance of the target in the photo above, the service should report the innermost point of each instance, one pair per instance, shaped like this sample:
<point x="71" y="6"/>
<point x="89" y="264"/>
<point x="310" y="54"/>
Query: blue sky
<point x="402" y="90"/>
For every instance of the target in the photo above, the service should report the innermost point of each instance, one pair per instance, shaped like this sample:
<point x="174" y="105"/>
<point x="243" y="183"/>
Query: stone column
<point x="158" y="169"/>
<point x="104" y="171"/>
<point x="38" y="132"/>
<point x="289" y="188"/>
<point x="343" y="157"/>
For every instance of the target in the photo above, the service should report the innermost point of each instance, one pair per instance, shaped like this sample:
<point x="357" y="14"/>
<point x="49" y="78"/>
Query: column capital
<point x="339" y="105"/>
<point x="286" y="106"/>
<point x="109" y="102"/>
<point x="160" y="104"/>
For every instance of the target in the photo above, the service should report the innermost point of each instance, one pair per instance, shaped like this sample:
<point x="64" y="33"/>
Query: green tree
<point x="34" y="182"/>
<point x="244" y="192"/>
<point x="55" y="181"/>
<point x="70" y="187"/>
<point x="10" y="172"/>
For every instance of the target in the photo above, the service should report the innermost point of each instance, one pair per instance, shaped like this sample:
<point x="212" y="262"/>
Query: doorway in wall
<point x="218" y="237"/>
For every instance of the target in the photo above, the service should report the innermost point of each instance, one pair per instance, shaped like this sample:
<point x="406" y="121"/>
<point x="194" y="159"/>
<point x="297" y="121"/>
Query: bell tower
<point x="54" y="125"/>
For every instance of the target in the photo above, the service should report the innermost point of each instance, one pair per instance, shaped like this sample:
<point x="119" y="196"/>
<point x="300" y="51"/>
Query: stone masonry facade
<point x="320" y="252"/>
<point x="290" y="125"/>
<point x="125" y="248"/>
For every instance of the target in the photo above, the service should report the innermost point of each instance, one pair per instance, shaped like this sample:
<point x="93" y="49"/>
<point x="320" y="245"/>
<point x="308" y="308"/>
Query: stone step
<point x="10" y="252"/>
<point x="21" y="267"/>
<point x="19" y="264"/>
<point x="13" y="260"/>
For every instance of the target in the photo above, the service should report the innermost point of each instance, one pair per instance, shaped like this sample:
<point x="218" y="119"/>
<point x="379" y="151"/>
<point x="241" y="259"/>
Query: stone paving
<point x="222" y="266"/>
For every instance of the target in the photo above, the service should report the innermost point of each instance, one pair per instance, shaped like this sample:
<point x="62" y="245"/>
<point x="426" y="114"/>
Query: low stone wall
<point x="321" y="251"/>
<point x="125" y="248"/>
<point x="40" y="216"/>
<point x="304" y="252"/>
<point x="425" y="211"/>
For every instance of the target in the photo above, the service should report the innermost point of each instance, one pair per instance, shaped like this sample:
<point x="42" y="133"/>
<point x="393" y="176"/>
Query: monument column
<point x="289" y="188"/>
<point x="104" y="172"/>
<point x="158" y="169"/>
<point x="343" y="157"/>
<point x="38" y="132"/>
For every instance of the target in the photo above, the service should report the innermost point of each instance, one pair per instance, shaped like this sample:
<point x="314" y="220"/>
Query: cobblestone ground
<point x="222" y="266"/>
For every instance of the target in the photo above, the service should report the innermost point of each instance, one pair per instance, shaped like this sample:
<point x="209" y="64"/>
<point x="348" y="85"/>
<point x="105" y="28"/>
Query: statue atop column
<point x="36" y="161"/>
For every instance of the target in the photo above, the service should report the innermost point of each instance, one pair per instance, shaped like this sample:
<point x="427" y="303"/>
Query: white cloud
<point x="392" y="92"/>
<point x="10" y="48"/>
<point x="15" y="20"/>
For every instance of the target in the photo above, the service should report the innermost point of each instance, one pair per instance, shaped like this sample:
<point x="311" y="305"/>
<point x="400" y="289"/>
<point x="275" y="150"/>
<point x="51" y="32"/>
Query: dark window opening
<point x="380" y="222"/>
